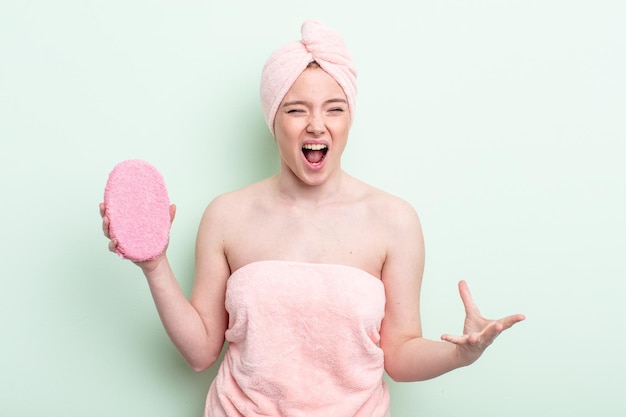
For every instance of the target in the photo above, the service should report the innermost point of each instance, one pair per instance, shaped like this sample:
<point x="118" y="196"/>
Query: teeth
<point x="314" y="147"/>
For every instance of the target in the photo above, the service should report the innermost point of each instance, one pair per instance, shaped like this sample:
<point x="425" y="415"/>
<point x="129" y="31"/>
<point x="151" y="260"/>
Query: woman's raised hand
<point x="145" y="265"/>
<point x="478" y="331"/>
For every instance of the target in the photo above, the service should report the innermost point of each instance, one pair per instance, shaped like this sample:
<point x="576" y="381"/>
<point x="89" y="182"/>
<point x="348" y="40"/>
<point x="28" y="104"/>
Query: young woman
<point x="311" y="275"/>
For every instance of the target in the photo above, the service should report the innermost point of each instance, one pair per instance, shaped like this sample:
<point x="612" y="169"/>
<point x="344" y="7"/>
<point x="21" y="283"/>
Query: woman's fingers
<point x="509" y="321"/>
<point x="172" y="212"/>
<point x="113" y="245"/>
<point x="468" y="300"/>
<point x="105" y="221"/>
<point x="457" y="340"/>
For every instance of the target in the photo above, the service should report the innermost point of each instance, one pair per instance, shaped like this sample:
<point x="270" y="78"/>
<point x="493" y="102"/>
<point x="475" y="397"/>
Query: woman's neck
<point x="292" y="190"/>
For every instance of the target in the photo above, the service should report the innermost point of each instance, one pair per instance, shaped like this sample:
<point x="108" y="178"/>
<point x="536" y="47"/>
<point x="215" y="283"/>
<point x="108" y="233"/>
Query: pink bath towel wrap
<point x="138" y="207"/>
<point x="303" y="342"/>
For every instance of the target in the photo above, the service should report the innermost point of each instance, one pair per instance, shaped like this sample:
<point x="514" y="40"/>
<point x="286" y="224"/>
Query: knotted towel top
<point x="320" y="44"/>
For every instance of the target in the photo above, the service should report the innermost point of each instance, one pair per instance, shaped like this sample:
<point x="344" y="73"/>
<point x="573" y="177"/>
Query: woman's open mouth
<point x="314" y="152"/>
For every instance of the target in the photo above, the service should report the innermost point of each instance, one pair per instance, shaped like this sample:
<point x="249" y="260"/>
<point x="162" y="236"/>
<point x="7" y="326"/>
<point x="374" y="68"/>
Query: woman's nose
<point x="316" y="125"/>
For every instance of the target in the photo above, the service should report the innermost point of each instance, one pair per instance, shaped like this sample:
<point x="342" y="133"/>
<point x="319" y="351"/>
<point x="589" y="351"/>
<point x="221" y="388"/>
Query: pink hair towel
<point x="138" y="208"/>
<point x="320" y="44"/>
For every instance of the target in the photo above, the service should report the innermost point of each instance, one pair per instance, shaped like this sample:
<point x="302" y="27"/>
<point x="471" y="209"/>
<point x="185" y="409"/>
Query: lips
<point x="314" y="152"/>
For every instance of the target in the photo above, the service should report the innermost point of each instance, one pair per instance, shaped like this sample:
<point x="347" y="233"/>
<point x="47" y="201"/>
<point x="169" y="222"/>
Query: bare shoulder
<point x="393" y="211"/>
<point x="229" y="207"/>
<point x="224" y="226"/>
<point x="400" y="230"/>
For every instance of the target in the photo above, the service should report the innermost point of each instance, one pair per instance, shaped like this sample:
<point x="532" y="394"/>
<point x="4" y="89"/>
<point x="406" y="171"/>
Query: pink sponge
<point x="138" y="208"/>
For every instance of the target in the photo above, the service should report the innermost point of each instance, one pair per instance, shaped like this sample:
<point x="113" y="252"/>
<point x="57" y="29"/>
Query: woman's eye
<point x="294" y="111"/>
<point x="336" y="110"/>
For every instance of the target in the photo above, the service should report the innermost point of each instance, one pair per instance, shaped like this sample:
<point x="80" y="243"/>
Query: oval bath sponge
<point x="138" y="208"/>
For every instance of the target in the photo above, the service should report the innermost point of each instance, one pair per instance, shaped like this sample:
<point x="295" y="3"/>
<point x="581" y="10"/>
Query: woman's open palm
<point x="478" y="331"/>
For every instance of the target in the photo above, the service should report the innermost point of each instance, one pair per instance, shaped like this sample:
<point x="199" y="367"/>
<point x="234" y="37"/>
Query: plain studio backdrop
<point x="502" y="122"/>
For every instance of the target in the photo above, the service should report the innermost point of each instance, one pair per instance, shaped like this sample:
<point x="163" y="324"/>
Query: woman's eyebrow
<point x="294" y="103"/>
<point x="304" y="103"/>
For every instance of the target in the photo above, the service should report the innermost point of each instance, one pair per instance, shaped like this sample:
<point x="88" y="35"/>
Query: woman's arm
<point x="195" y="327"/>
<point x="408" y="355"/>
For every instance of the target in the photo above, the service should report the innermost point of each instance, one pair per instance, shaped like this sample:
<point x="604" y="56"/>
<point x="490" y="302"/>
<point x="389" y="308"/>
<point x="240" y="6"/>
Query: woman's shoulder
<point x="390" y="212"/>
<point x="384" y="202"/>
<point x="233" y="202"/>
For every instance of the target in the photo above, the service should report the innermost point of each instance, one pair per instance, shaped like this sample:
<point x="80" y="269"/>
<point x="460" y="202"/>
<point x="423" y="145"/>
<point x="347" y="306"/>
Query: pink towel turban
<point x="320" y="44"/>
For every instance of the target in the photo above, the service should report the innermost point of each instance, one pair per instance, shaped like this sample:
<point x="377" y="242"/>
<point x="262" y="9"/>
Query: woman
<point x="311" y="275"/>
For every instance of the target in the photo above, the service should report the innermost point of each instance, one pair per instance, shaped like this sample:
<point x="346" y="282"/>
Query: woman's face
<point x="311" y="127"/>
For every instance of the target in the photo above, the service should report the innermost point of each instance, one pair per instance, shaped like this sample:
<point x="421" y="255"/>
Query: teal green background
<point x="502" y="122"/>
